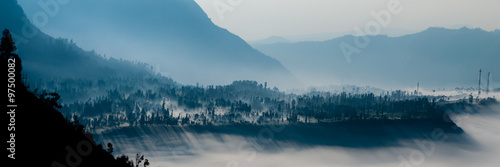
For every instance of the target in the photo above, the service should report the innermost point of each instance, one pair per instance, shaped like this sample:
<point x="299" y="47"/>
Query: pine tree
<point x="8" y="45"/>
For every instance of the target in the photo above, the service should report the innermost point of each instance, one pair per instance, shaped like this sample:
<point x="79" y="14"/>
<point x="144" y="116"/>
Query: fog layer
<point x="233" y="150"/>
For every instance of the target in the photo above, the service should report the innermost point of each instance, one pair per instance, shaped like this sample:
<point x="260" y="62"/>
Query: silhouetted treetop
<point x="8" y="45"/>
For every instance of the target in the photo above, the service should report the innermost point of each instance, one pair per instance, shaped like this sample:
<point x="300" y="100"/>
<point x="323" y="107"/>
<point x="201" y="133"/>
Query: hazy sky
<point x="257" y="19"/>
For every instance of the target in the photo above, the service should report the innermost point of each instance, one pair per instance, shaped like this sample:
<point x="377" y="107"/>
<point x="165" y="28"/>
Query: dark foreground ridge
<point x="43" y="137"/>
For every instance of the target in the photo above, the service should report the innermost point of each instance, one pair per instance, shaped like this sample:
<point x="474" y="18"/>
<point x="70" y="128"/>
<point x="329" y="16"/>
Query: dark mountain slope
<point x="175" y="36"/>
<point x="46" y="57"/>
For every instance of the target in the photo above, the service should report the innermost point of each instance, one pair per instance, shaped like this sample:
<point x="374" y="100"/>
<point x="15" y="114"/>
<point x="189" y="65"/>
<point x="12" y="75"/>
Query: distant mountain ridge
<point x="175" y="36"/>
<point x="270" y="40"/>
<point x="436" y="57"/>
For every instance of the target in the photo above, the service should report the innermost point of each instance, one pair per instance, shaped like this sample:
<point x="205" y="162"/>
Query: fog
<point x="186" y="147"/>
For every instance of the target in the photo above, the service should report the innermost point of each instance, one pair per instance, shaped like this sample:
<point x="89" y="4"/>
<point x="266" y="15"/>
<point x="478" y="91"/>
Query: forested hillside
<point x="41" y="134"/>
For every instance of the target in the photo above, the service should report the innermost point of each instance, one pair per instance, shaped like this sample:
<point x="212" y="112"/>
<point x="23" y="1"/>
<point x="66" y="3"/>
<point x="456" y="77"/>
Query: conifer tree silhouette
<point x="8" y="46"/>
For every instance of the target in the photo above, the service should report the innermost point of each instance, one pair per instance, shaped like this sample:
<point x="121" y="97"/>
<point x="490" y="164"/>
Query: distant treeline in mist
<point x="137" y="102"/>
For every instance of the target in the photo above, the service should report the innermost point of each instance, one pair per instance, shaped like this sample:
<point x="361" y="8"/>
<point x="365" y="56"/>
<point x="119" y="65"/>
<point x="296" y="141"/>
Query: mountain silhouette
<point x="46" y="57"/>
<point x="436" y="57"/>
<point x="175" y="36"/>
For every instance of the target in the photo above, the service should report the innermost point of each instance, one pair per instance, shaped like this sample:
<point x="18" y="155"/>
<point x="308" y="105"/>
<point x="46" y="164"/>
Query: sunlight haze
<point x="258" y="19"/>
